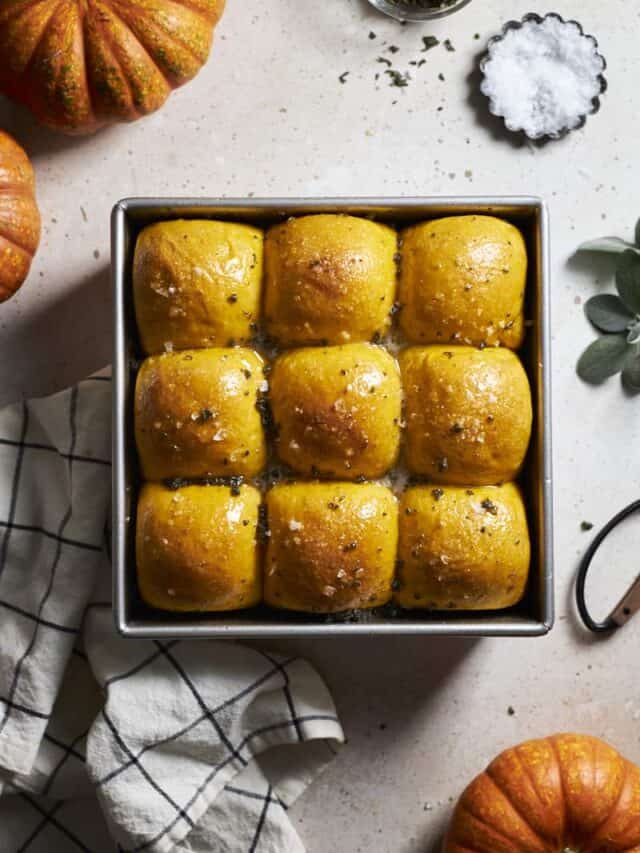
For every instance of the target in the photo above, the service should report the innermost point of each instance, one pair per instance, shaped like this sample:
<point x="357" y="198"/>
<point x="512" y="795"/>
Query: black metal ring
<point x="583" y="568"/>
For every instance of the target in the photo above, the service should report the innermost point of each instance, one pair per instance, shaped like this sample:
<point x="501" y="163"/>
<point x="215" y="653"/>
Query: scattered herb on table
<point x="586" y="526"/>
<point x="343" y="77"/>
<point x="617" y="316"/>
<point x="429" y="42"/>
<point x="397" y="78"/>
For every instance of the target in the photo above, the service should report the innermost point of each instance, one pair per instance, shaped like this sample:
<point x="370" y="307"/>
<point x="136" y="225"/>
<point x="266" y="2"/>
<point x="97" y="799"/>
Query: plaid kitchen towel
<point x="155" y="746"/>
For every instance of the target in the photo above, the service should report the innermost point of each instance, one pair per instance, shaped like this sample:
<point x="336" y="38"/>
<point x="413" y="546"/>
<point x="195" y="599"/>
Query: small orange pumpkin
<point x="19" y="216"/>
<point x="563" y="794"/>
<point x="81" y="64"/>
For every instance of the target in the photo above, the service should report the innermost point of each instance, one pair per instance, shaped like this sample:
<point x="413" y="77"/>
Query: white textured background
<point x="268" y="116"/>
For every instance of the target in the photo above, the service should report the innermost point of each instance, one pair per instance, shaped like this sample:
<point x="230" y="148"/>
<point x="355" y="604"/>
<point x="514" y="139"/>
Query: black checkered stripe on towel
<point x="258" y="701"/>
<point x="48" y="457"/>
<point x="193" y="768"/>
<point x="258" y="808"/>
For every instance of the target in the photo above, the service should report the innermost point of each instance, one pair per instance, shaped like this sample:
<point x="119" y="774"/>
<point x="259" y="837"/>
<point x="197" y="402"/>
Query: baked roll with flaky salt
<point x="462" y="281"/>
<point x="331" y="546"/>
<point x="196" y="414"/>
<point x="197" y="284"/>
<point x="462" y="548"/>
<point x="468" y="414"/>
<point x="196" y="547"/>
<point x="337" y="410"/>
<point x="329" y="278"/>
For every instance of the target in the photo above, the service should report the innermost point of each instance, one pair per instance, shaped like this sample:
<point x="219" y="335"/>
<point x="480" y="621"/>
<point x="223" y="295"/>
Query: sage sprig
<point x="617" y="316"/>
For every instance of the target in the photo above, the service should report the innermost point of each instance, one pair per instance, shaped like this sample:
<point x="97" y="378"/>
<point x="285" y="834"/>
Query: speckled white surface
<point x="268" y="116"/>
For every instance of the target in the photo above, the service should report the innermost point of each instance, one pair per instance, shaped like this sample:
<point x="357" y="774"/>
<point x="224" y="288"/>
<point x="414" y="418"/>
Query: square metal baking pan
<point x="532" y="617"/>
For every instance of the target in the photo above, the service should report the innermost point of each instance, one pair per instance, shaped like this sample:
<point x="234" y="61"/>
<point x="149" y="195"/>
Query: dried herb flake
<point x="429" y="43"/>
<point x="489" y="506"/>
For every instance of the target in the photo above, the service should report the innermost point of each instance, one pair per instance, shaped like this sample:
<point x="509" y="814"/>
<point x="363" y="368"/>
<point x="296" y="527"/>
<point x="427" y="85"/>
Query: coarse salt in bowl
<point x="543" y="76"/>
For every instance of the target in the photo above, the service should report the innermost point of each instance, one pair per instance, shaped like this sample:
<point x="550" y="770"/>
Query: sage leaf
<point x="608" y="313"/>
<point x="631" y="370"/>
<point x="608" y="244"/>
<point x="603" y="358"/>
<point x="628" y="280"/>
<point x="638" y="233"/>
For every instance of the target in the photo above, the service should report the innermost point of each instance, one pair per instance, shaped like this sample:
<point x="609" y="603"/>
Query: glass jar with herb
<point x="418" y="10"/>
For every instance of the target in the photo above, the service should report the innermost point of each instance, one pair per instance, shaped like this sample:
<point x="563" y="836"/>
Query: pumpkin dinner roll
<point x="462" y="280"/>
<point x="337" y="410"/>
<point x="331" y="546"/>
<point x="196" y="414"/>
<point x="197" y="284"/>
<point x="462" y="548"/>
<point x="196" y="547"/>
<point x="329" y="278"/>
<point x="468" y="414"/>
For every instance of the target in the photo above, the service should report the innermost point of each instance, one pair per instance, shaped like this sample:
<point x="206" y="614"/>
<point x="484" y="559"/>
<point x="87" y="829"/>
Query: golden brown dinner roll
<point x="196" y="547"/>
<point x="196" y="415"/>
<point x="329" y="279"/>
<point x="332" y="546"/>
<point x="462" y="548"/>
<point x="197" y="284"/>
<point x="463" y="280"/>
<point x="337" y="410"/>
<point x="468" y="413"/>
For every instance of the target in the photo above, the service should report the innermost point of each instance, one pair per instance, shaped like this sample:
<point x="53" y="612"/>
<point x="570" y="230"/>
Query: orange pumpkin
<point x="563" y="794"/>
<point x="19" y="216"/>
<point x="81" y="64"/>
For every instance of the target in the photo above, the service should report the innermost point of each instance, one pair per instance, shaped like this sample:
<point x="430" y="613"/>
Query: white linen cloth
<point x="104" y="741"/>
